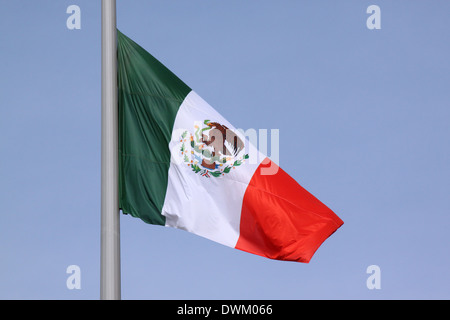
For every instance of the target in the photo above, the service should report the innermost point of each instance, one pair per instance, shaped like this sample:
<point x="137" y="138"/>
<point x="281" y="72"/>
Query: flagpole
<point x="110" y="222"/>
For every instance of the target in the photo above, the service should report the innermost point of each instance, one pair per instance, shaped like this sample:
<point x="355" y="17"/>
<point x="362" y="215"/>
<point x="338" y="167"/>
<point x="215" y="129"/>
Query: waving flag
<point x="182" y="165"/>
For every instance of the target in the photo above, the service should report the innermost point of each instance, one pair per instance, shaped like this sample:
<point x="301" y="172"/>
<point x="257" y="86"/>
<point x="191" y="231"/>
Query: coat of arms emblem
<point x="213" y="150"/>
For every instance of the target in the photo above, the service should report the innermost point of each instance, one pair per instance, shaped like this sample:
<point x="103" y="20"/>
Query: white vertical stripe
<point x="208" y="207"/>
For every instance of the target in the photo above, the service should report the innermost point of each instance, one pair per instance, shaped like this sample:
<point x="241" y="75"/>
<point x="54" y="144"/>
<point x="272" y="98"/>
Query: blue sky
<point x="363" y="119"/>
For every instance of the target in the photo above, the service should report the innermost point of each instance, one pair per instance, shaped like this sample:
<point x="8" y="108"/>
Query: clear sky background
<point x="364" y="125"/>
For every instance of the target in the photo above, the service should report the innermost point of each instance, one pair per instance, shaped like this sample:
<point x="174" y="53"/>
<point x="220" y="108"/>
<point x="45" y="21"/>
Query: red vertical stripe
<point x="281" y="220"/>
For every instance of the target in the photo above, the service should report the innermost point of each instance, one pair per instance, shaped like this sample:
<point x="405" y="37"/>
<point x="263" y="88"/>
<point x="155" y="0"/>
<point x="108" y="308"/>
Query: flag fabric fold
<point x="182" y="165"/>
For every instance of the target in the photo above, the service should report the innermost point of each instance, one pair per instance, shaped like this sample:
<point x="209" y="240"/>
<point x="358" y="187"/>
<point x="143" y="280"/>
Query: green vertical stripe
<point x="149" y="98"/>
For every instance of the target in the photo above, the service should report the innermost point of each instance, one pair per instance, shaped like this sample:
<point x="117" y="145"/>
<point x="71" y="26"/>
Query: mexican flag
<point x="183" y="165"/>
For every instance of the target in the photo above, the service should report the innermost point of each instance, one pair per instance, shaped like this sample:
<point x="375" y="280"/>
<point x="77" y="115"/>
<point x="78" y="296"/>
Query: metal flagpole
<point x="110" y="222"/>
